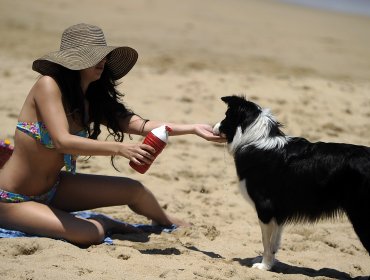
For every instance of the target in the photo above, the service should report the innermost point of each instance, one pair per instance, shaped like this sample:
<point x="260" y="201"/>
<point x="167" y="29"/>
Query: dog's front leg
<point x="271" y="233"/>
<point x="276" y="237"/>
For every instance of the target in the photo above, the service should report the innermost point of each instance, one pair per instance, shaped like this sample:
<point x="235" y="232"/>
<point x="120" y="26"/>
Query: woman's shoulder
<point x="46" y="81"/>
<point x="45" y="84"/>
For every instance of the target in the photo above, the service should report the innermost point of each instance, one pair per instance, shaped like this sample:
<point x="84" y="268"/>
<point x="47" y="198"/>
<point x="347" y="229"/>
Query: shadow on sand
<point x="283" y="268"/>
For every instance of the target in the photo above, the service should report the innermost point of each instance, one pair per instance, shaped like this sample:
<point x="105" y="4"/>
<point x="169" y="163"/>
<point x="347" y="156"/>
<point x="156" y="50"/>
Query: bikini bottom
<point x="45" y="198"/>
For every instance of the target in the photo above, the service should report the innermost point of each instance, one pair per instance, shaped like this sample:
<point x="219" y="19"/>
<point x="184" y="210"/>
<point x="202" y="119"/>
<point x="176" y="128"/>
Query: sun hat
<point x="83" y="46"/>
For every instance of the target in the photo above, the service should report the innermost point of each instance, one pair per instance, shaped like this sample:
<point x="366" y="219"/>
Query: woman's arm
<point x="48" y="101"/>
<point x="136" y="125"/>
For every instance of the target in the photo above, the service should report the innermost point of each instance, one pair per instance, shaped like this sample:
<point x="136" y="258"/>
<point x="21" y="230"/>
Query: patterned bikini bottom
<point x="45" y="198"/>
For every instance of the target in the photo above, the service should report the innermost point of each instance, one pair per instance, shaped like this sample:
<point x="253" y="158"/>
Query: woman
<point x="61" y="119"/>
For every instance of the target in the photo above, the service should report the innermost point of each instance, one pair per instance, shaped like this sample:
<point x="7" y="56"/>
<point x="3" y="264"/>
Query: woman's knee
<point x="139" y="191"/>
<point x="91" y="235"/>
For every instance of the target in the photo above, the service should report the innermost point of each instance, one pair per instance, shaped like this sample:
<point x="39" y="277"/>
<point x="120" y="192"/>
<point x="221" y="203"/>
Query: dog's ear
<point x="233" y="99"/>
<point x="226" y="99"/>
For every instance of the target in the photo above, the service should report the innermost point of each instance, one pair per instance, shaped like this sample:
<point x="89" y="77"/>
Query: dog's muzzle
<point x="216" y="129"/>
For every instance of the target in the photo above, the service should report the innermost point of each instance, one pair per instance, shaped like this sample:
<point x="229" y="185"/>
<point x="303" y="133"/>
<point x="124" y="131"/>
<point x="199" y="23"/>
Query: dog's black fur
<point x="289" y="179"/>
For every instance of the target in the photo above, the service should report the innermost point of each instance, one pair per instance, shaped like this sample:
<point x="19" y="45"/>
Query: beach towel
<point x="6" y="233"/>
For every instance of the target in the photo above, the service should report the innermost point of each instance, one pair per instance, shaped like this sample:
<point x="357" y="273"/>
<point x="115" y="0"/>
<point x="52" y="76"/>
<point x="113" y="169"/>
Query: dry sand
<point x="310" y="67"/>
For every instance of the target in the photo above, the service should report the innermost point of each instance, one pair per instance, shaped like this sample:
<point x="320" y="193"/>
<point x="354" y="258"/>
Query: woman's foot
<point x="173" y="221"/>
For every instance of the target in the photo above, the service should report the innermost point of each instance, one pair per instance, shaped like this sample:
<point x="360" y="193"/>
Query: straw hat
<point x="83" y="46"/>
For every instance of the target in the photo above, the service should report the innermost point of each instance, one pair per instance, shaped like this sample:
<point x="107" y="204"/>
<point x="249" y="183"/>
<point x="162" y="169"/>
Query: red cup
<point x="152" y="140"/>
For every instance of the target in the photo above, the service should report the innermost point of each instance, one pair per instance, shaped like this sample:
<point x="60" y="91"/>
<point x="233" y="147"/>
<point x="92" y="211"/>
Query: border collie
<point x="291" y="180"/>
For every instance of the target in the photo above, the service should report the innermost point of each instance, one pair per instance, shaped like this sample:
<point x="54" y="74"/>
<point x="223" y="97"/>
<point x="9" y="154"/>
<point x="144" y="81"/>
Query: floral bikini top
<point x="38" y="131"/>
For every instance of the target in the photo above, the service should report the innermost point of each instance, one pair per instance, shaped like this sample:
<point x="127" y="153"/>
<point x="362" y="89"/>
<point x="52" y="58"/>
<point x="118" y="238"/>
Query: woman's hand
<point x="137" y="153"/>
<point x="206" y="131"/>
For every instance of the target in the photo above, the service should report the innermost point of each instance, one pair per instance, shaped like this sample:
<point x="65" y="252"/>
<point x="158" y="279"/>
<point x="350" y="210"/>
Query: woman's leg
<point x="84" y="191"/>
<point x="39" y="219"/>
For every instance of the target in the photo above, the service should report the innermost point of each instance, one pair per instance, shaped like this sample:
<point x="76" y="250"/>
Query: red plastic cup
<point x="156" y="139"/>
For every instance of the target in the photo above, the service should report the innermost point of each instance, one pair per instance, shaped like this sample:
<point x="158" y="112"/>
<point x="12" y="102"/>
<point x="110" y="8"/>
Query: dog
<point x="291" y="180"/>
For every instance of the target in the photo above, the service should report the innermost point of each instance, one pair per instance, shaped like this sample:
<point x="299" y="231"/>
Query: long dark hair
<point x="105" y="105"/>
<point x="105" y="102"/>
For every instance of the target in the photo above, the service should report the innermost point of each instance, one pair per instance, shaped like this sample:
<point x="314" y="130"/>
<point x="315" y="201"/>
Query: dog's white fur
<point x="257" y="134"/>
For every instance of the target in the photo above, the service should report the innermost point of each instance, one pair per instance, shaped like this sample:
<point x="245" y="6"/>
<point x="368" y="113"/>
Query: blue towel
<point x="6" y="233"/>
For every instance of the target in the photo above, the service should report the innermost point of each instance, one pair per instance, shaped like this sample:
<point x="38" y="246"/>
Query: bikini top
<point x="38" y="131"/>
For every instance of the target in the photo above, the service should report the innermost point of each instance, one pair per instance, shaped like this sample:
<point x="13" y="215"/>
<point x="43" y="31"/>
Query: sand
<point x="310" y="67"/>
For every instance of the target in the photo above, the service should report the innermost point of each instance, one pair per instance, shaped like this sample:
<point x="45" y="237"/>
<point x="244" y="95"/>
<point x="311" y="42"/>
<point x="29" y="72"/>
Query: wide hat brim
<point x="120" y="59"/>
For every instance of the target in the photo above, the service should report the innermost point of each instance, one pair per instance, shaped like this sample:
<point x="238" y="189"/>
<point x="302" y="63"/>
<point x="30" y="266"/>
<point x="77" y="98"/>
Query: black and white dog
<point x="289" y="179"/>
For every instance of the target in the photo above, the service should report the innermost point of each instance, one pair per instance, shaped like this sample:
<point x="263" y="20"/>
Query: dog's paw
<point x="262" y="266"/>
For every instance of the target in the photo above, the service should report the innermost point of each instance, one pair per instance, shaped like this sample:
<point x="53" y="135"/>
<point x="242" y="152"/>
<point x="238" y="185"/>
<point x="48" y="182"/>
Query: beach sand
<point x="310" y="67"/>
